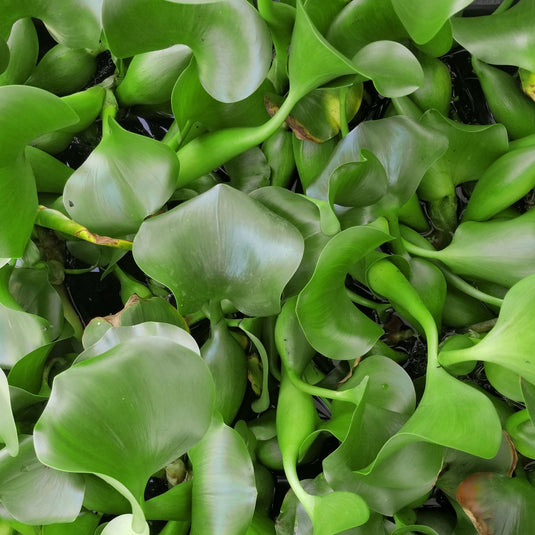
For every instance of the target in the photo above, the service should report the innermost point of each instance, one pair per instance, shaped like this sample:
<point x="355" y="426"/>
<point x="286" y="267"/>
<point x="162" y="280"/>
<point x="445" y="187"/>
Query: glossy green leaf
<point x="249" y="171"/>
<point x="165" y="65"/>
<point x="23" y="49"/>
<point x="26" y="113"/>
<point x="498" y="251"/>
<point x="392" y="67"/>
<point x="33" y="493"/>
<point x="505" y="99"/>
<point x="498" y="504"/>
<point x="468" y="409"/>
<point x="4" y="55"/>
<point x="32" y="289"/>
<point x="362" y="22"/>
<point x="330" y="321"/>
<point x="509" y="341"/>
<point x="505" y="381"/>
<point x="191" y="102"/>
<point x="405" y="150"/>
<point x="503" y="39"/>
<point x="513" y="175"/>
<point x="20" y="333"/>
<point x="392" y="482"/>
<point x="63" y="70"/>
<point x="96" y="345"/>
<point x="227" y="363"/>
<point x="71" y="22"/>
<point x="423" y="20"/>
<point x="229" y="39"/>
<point x="224" y="493"/>
<point x="125" y="179"/>
<point x="305" y="216"/>
<point x="375" y="61"/>
<point x="246" y="252"/>
<point x="522" y="432"/>
<point x="124" y="396"/>
<point x="471" y="150"/>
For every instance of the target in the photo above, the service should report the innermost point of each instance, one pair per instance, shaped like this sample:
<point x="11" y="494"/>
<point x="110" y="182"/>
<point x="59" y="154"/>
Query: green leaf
<point x="375" y="62"/>
<point x="471" y="150"/>
<point x="126" y="178"/>
<point x="361" y="23"/>
<point x="224" y="492"/>
<point x="110" y="415"/>
<point x="499" y="251"/>
<point x="123" y="525"/>
<point x="513" y="174"/>
<point x="138" y="87"/>
<point x="392" y="67"/>
<point x="503" y="39"/>
<point x="33" y="291"/>
<point x="330" y="321"/>
<point x="305" y="216"/>
<point x="510" y="341"/>
<point x="116" y="335"/>
<point x="229" y="39"/>
<point x="191" y="103"/>
<point x="424" y="20"/>
<point x="404" y="148"/>
<point x="71" y="22"/>
<point x="498" y="504"/>
<point x="246" y="252"/>
<point x="33" y="493"/>
<point x="249" y="171"/>
<point x="23" y="50"/>
<point x="227" y="363"/>
<point x="27" y="113"/>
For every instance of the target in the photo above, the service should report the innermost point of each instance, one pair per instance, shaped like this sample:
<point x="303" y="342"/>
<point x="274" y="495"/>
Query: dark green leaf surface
<point x="111" y="414"/>
<point x="246" y="253"/>
<point x="229" y="39"/>
<point x="126" y="178"/>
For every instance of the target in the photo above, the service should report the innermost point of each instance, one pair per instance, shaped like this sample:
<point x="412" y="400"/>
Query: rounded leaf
<point x="127" y="412"/>
<point x="126" y="178"/>
<point x="245" y="252"/>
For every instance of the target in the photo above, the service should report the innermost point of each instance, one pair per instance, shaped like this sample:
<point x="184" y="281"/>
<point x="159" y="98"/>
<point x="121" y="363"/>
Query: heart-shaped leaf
<point x="33" y="493"/>
<point x="126" y="178"/>
<point x="503" y="39"/>
<point x="27" y="113"/>
<point x="224" y="492"/>
<point x="124" y="396"/>
<point x="23" y="50"/>
<point x="246" y="252"/>
<point x="229" y="39"/>
<point x="331" y="322"/>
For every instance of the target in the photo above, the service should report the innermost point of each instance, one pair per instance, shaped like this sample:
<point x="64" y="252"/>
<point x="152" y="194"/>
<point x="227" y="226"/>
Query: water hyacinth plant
<point x="267" y="267"/>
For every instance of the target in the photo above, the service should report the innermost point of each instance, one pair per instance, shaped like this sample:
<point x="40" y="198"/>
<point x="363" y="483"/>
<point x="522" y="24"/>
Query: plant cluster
<point x="328" y="277"/>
